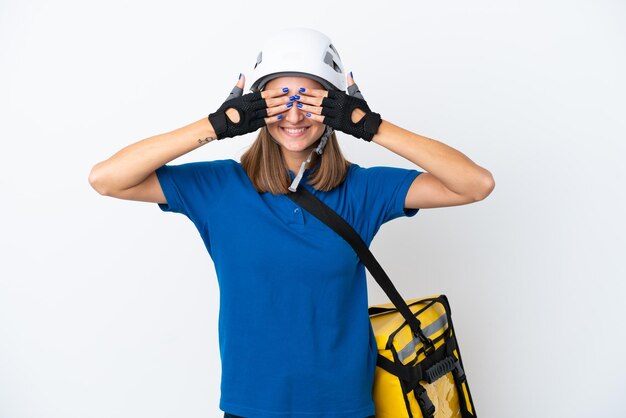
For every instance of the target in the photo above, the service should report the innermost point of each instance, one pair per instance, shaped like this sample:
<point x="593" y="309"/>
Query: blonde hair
<point x="265" y="165"/>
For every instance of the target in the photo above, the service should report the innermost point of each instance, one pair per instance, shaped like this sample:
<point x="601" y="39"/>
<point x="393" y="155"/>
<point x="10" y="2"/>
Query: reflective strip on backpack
<point x="410" y="349"/>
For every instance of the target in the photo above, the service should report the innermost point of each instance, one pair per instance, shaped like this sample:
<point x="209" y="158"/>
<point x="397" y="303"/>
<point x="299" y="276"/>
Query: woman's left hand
<point x="343" y="112"/>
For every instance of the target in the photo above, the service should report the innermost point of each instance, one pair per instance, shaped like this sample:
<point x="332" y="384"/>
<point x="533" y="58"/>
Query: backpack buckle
<point x="426" y="405"/>
<point x="429" y="346"/>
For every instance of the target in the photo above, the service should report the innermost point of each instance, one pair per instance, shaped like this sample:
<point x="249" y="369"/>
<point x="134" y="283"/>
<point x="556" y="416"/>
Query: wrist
<point x="208" y="132"/>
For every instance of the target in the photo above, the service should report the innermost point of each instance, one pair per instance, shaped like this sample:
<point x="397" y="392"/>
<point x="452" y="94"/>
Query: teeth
<point x="295" y="131"/>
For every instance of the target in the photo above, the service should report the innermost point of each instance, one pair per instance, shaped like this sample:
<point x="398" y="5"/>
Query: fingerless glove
<point x="337" y="109"/>
<point x="252" y="110"/>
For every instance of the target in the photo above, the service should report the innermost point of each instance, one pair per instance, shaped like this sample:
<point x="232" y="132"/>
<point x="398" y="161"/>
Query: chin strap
<point x="296" y="180"/>
<point x="319" y="149"/>
<point x="324" y="140"/>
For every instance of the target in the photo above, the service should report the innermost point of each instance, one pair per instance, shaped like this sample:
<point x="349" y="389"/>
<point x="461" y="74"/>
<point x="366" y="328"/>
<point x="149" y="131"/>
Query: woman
<point x="294" y="331"/>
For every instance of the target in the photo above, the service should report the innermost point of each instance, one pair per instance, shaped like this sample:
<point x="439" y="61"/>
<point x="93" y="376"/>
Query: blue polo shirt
<point x="295" y="336"/>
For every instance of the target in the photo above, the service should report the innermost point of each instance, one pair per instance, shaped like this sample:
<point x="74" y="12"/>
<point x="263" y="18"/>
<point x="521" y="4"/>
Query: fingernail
<point x="292" y="98"/>
<point x="239" y="76"/>
<point x="279" y="117"/>
<point x="290" y="104"/>
<point x="308" y="114"/>
<point x="285" y="89"/>
<point x="302" y="89"/>
<point x="351" y="76"/>
<point x="297" y="97"/>
<point x="299" y="105"/>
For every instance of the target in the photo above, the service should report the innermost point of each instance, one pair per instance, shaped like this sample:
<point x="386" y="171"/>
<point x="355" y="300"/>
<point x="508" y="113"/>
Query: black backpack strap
<point x="426" y="405"/>
<point x="328" y="216"/>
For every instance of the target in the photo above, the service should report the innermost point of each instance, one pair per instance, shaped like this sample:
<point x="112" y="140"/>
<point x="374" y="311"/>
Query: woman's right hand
<point x="242" y="114"/>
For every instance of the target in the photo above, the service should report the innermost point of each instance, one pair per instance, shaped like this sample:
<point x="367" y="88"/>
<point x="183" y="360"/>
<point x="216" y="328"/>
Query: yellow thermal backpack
<point x="419" y="374"/>
<point x="419" y="371"/>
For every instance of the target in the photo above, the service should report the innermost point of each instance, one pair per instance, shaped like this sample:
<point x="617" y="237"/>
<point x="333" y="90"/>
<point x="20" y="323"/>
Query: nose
<point x="294" y="115"/>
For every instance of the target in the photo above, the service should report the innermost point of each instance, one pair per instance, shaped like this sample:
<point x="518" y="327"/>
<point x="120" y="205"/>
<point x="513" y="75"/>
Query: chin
<point x="296" y="148"/>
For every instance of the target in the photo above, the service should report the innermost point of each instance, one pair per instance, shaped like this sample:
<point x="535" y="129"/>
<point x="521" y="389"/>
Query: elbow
<point x="95" y="181"/>
<point x="485" y="186"/>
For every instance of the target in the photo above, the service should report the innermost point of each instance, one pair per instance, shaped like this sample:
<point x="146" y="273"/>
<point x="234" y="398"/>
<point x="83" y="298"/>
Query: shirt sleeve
<point x="385" y="190"/>
<point x="190" y="189"/>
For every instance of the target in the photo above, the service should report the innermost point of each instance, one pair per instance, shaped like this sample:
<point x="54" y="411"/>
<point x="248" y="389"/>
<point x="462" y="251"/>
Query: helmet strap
<point x="296" y="180"/>
<point x="324" y="140"/>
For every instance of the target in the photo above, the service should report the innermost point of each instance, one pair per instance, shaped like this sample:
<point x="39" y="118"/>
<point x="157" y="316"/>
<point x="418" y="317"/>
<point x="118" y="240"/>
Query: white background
<point x="108" y="308"/>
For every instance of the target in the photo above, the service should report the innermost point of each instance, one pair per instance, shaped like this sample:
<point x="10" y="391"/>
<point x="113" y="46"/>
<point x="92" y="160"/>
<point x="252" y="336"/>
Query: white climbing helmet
<point x="298" y="52"/>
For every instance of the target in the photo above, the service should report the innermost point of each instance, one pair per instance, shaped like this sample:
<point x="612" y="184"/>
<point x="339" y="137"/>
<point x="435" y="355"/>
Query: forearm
<point x="454" y="169"/>
<point x="132" y="164"/>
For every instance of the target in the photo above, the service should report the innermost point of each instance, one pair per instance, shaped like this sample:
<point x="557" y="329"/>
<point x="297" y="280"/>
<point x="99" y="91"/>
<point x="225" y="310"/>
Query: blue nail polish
<point x="308" y="114"/>
<point x="289" y="104"/>
<point x="285" y="89"/>
<point x="279" y="117"/>
<point x="351" y="76"/>
<point x="239" y="76"/>
<point x="302" y="89"/>
<point x="299" y="105"/>
<point x="297" y="97"/>
<point x="292" y="98"/>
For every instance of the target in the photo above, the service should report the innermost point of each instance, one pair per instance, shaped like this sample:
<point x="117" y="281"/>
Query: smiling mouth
<point x="294" y="132"/>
